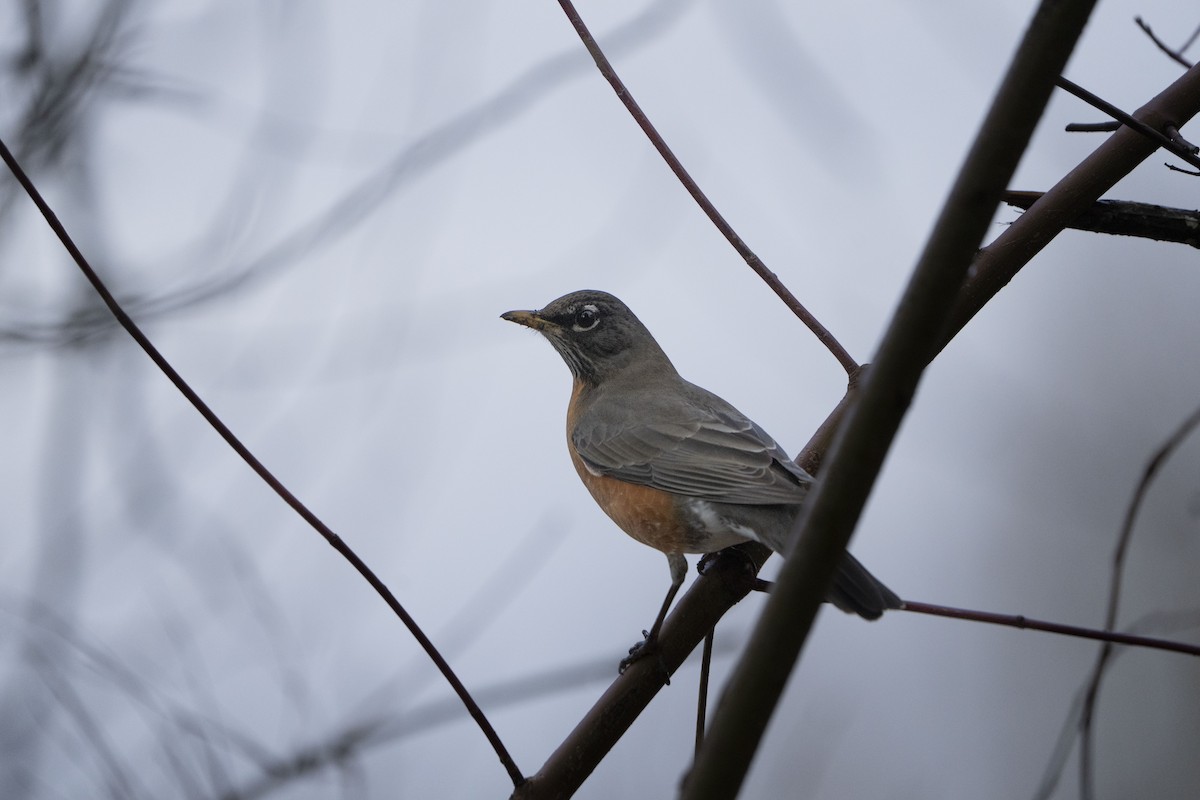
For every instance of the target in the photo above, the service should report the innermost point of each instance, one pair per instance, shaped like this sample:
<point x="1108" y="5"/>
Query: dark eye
<point x="586" y="318"/>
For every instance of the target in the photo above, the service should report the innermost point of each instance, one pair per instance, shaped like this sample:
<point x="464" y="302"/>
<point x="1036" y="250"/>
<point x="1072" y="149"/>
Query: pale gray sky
<point x="320" y="210"/>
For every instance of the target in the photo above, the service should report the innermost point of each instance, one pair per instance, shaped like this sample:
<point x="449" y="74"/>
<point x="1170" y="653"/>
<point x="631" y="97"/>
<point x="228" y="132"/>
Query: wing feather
<point x="707" y="449"/>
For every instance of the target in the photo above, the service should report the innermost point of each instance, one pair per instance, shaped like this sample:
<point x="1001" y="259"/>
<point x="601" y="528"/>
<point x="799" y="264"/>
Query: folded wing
<point x="715" y="453"/>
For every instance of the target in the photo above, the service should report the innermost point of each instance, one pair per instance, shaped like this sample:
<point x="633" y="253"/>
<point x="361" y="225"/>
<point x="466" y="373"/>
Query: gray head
<point x="596" y="334"/>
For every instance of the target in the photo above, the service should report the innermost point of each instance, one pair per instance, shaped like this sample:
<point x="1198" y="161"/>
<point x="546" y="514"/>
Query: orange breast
<point x="646" y="514"/>
<point x="649" y="515"/>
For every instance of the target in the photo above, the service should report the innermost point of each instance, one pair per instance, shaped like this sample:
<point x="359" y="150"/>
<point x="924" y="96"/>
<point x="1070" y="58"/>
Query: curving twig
<point x="1175" y="55"/>
<point x="752" y="260"/>
<point x="1091" y="695"/>
<point x="259" y="468"/>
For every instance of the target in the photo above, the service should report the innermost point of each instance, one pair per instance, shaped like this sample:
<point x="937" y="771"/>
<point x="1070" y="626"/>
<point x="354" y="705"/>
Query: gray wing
<point x="705" y="449"/>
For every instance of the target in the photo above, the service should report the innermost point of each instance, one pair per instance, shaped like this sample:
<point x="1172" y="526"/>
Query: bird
<point x="673" y="465"/>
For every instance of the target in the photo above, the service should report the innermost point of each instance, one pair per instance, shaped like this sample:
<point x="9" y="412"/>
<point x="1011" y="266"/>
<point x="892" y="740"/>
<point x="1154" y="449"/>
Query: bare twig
<point x="1127" y="218"/>
<point x="1109" y="635"/>
<point x="755" y="263"/>
<point x="259" y="468"/>
<point x="1000" y="261"/>
<point x="1173" y="168"/>
<point x="1176" y="55"/>
<point x="1180" y="147"/>
<point x="1091" y="127"/>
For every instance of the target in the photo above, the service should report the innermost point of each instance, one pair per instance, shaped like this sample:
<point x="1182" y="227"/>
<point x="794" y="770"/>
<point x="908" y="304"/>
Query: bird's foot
<point x="648" y="647"/>
<point x="729" y="558"/>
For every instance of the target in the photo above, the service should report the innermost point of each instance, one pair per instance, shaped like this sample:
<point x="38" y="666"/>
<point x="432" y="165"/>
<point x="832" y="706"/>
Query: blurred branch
<point x="752" y="260"/>
<point x="64" y="85"/>
<point x="1127" y="218"/>
<point x="1159" y="622"/>
<point x="120" y="779"/>
<point x="260" y="469"/>
<point x="485" y="601"/>
<point x="343" y="213"/>
<point x="163" y="716"/>
<point x="365" y="736"/>
<point x="1151" y="470"/>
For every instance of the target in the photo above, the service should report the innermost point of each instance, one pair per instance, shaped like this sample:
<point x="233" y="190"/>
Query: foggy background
<point x="318" y="211"/>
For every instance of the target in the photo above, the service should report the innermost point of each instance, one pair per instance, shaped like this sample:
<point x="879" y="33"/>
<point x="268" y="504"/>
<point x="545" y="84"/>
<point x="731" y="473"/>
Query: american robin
<point x="675" y="466"/>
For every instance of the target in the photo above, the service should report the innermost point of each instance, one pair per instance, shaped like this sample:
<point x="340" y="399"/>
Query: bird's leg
<point x="649" y="644"/>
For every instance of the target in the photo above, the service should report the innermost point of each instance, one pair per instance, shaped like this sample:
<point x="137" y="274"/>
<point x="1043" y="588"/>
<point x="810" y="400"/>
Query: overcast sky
<point x="319" y="211"/>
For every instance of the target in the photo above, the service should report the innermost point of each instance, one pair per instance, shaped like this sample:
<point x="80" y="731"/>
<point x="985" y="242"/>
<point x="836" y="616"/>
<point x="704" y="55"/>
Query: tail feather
<point x="857" y="591"/>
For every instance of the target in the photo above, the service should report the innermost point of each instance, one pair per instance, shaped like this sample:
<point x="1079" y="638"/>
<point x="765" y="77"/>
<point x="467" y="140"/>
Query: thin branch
<point x="1127" y="218"/>
<point x="1000" y="261"/>
<point x="1176" y="55"/>
<point x="1109" y="636"/>
<point x="1180" y="147"/>
<point x="259" y="468"/>
<point x="753" y="261"/>
<point x="1173" y="621"/>
<point x="1092" y="127"/>
<point x="1153" y="465"/>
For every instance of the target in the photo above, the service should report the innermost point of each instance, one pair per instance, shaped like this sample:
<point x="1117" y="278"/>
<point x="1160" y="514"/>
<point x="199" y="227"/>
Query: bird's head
<point x="596" y="334"/>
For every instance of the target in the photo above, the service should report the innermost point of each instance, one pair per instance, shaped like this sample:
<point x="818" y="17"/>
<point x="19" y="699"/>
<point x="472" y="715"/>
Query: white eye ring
<point x="586" y="318"/>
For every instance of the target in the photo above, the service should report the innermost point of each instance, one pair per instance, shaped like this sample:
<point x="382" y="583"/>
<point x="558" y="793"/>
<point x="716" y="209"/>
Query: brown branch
<point x="1179" y="146"/>
<point x="726" y="581"/>
<point x="1091" y="127"/>
<point x="1110" y="636"/>
<point x="1127" y="218"/>
<point x="259" y="468"/>
<point x="1000" y="261"/>
<point x="752" y="260"/>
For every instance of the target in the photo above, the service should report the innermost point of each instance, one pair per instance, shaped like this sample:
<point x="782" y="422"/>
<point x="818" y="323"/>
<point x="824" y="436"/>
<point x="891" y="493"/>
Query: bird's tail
<point x="857" y="591"/>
